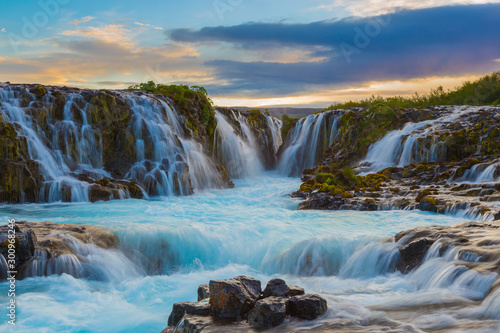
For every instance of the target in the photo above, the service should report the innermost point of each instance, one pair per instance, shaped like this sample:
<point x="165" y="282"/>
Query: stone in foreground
<point x="181" y="309"/>
<point x="308" y="307"/>
<point x="235" y="297"/>
<point x="267" y="313"/>
<point x="295" y="291"/>
<point x="276" y="287"/>
<point x="203" y="292"/>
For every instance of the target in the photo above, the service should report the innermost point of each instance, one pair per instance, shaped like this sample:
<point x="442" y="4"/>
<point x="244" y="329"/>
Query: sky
<point x="252" y="52"/>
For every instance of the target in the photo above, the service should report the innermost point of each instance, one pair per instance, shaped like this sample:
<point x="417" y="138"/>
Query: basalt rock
<point x="308" y="307"/>
<point x="181" y="309"/>
<point x="237" y="304"/>
<point x="203" y="292"/>
<point x="267" y="313"/>
<point x="235" y="297"/>
<point x="413" y="254"/>
<point x="276" y="287"/>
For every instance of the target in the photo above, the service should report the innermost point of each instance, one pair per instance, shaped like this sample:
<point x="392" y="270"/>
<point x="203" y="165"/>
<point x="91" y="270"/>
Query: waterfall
<point x="237" y="150"/>
<point x="307" y="141"/>
<point x="167" y="163"/>
<point x="403" y="147"/>
<point x="80" y="137"/>
<point x="481" y="173"/>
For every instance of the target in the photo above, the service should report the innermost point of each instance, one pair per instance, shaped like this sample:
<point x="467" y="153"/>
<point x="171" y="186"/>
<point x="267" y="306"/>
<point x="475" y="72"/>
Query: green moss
<point x="323" y="177"/>
<point x="422" y="168"/>
<point x="349" y="176"/>
<point x="308" y="171"/>
<point x="347" y="195"/>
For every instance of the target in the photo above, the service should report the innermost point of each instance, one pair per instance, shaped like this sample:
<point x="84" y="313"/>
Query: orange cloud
<point x="107" y="33"/>
<point x="82" y="20"/>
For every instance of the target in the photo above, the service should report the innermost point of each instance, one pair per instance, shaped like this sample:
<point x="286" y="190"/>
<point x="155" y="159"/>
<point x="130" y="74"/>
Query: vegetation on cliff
<point x="484" y="91"/>
<point x="187" y="99"/>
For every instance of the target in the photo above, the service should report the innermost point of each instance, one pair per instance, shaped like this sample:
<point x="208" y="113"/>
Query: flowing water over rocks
<point x="64" y="144"/>
<point x="201" y="205"/>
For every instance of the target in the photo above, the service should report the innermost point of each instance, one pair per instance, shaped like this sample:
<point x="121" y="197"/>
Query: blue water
<point x="174" y="244"/>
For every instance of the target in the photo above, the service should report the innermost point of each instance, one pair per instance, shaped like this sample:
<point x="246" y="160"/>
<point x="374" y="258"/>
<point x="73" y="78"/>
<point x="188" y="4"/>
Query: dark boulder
<point x="413" y="253"/>
<point x="235" y="297"/>
<point x="179" y="310"/>
<point x="276" y="287"/>
<point x="308" y="307"/>
<point x="295" y="291"/>
<point x="268" y="312"/>
<point x="203" y="292"/>
<point x="25" y="243"/>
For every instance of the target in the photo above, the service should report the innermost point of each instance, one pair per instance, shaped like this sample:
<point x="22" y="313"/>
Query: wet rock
<point x="268" y="312"/>
<point x="413" y="254"/>
<point x="25" y="243"/>
<point x="295" y="291"/>
<point x="203" y="292"/>
<point x="52" y="240"/>
<point x="181" y="309"/>
<point x="308" y="307"/>
<point x="235" y="297"/>
<point x="276" y="287"/>
<point x="99" y="193"/>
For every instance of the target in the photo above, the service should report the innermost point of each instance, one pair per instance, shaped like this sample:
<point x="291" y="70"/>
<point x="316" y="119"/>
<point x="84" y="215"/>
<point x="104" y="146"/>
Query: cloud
<point x="108" y="33"/>
<point x="97" y="63"/>
<point x="450" y="40"/>
<point x="148" y="25"/>
<point x="3" y="30"/>
<point x="82" y="20"/>
<point x="377" y="7"/>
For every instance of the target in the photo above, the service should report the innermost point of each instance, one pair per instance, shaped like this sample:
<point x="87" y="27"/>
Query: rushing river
<point x="169" y="246"/>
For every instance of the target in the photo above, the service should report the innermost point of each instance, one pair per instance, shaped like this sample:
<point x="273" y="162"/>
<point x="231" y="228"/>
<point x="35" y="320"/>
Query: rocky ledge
<point x="477" y="243"/>
<point x="241" y="304"/>
<point x="436" y="187"/>
<point x="444" y="159"/>
<point x="46" y="241"/>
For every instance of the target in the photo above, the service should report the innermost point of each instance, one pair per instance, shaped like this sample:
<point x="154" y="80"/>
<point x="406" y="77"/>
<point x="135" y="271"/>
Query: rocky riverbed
<point x="443" y="160"/>
<point x="41" y="246"/>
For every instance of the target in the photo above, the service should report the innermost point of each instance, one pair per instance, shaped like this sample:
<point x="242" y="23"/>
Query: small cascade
<point x="415" y="143"/>
<point x="490" y="308"/>
<point x="236" y="149"/>
<point x="85" y="261"/>
<point x="274" y="124"/>
<point x="482" y="173"/>
<point x="306" y="142"/>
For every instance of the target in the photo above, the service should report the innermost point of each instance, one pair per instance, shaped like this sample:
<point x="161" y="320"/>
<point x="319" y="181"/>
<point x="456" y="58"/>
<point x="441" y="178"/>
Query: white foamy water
<point x="402" y="147"/>
<point x="169" y="246"/>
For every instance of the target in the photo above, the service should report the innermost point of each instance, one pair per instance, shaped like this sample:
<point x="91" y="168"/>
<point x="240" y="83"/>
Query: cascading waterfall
<point x="167" y="163"/>
<point x="52" y="155"/>
<point x="164" y="159"/>
<point x="403" y="147"/>
<point x="237" y="150"/>
<point x="307" y="141"/>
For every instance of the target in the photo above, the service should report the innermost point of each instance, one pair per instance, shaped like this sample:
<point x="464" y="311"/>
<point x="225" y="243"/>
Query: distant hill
<point x="279" y="112"/>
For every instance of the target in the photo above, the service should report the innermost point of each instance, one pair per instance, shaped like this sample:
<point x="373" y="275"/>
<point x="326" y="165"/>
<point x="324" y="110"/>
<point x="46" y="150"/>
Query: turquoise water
<point x="169" y="246"/>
